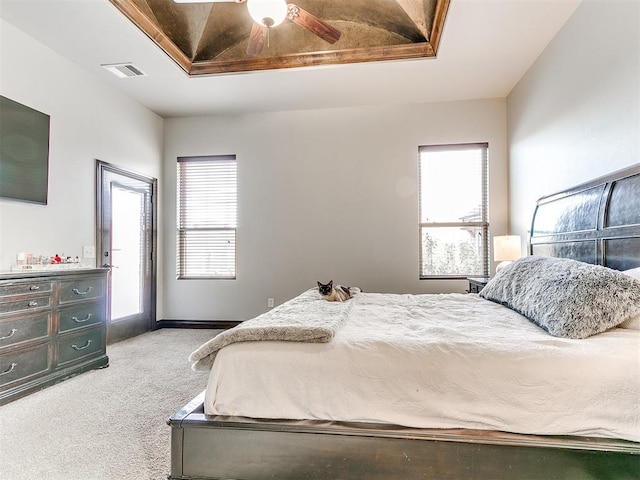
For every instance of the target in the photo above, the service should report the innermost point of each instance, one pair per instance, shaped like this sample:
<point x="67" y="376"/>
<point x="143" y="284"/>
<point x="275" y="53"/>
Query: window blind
<point x="454" y="214"/>
<point x="207" y="217"/>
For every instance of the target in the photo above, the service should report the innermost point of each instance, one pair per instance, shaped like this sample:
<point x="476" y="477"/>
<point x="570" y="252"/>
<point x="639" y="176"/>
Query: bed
<point x="442" y="409"/>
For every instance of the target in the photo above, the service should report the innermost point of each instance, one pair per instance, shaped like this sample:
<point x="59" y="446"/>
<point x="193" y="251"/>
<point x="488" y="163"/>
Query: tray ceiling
<point x="213" y="38"/>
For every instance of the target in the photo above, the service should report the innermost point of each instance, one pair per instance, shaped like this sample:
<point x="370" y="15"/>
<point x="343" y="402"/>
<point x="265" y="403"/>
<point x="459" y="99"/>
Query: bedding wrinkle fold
<point x="306" y="318"/>
<point x="438" y="361"/>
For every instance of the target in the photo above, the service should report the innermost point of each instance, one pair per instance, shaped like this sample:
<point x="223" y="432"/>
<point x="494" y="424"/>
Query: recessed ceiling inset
<point x="219" y="36"/>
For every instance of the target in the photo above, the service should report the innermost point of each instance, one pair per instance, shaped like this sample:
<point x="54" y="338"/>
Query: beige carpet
<point x="105" y="424"/>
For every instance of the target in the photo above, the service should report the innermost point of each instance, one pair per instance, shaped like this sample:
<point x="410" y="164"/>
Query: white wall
<point x="575" y="115"/>
<point x="89" y="120"/>
<point x="324" y="194"/>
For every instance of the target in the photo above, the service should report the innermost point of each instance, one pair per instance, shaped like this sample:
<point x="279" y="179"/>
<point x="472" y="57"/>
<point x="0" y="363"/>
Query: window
<point x="207" y="217"/>
<point x="454" y="217"/>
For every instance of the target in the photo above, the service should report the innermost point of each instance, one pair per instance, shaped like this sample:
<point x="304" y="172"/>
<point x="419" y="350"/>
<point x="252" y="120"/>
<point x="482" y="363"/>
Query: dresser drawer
<point x="79" y="317"/>
<point x="76" y="346"/>
<point x="29" y="303"/>
<point x="22" y="288"/>
<point x="15" y="330"/>
<point x="78" y="290"/>
<point x="23" y="365"/>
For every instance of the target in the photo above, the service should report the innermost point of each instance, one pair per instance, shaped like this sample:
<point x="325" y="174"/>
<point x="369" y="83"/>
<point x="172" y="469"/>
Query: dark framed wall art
<point x="24" y="152"/>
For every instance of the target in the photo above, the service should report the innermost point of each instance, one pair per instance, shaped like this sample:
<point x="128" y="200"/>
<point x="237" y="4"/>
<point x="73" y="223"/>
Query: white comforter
<point x="439" y="361"/>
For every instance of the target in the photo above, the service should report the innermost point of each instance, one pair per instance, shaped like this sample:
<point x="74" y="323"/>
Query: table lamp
<point x="506" y="249"/>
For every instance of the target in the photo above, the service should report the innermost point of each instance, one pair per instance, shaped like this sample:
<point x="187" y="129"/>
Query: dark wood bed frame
<point x="597" y="222"/>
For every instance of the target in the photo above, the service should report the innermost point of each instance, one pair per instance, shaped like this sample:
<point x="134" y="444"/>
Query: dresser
<point x="52" y="326"/>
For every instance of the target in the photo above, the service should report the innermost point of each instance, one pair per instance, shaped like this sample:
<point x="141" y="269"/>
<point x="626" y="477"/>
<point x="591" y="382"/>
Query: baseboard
<point x="212" y="324"/>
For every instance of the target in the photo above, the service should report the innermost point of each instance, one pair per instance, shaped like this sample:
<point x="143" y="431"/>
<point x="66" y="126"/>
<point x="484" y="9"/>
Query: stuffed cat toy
<point x="337" y="293"/>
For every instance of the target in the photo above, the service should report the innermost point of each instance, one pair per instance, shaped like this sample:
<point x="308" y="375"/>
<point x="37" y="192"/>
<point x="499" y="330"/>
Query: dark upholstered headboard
<point x="596" y="222"/>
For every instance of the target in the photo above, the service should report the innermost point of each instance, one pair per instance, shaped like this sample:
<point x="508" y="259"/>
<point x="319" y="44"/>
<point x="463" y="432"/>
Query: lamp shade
<point x="506" y="248"/>
<point x="269" y="13"/>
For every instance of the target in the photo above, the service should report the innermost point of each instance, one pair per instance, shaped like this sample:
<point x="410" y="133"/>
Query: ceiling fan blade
<point x="209" y="1"/>
<point x="256" y="39"/>
<point x="312" y="23"/>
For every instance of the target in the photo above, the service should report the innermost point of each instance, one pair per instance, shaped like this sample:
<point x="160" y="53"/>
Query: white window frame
<point x="206" y="243"/>
<point x="481" y="224"/>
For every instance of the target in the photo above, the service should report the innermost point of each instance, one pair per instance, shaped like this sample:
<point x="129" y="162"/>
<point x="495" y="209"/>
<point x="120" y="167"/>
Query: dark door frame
<point x="102" y="167"/>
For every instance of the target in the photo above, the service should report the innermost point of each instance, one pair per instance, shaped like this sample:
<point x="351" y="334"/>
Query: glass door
<point x="126" y="239"/>
<point x="127" y="252"/>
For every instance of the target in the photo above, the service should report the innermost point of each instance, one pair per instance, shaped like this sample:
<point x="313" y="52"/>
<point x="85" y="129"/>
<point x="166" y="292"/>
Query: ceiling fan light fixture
<point x="269" y="13"/>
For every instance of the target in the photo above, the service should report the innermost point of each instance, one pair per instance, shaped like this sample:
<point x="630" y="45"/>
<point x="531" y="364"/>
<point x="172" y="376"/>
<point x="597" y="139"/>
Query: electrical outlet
<point x="270" y="302"/>
<point x="89" y="251"/>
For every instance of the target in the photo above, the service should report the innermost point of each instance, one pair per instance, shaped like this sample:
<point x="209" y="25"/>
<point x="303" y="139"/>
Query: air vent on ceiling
<point x="124" y="70"/>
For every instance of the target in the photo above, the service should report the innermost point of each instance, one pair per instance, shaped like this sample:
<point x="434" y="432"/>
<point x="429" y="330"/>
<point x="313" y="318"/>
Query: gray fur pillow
<point x="565" y="297"/>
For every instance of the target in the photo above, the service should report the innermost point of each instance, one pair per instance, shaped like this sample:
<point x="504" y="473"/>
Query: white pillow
<point x="634" y="272"/>
<point x="632" y="323"/>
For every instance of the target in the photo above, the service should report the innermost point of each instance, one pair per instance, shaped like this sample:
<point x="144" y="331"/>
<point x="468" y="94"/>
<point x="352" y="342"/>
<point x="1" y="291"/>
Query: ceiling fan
<point x="271" y="13"/>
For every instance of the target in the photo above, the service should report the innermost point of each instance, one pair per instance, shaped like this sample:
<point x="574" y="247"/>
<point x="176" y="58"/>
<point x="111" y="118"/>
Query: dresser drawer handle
<point x="33" y="303"/>
<point x="34" y="287"/>
<point x="78" y="292"/>
<point x="13" y="332"/>
<point x="10" y="369"/>
<point x="82" y="320"/>
<point x="76" y="347"/>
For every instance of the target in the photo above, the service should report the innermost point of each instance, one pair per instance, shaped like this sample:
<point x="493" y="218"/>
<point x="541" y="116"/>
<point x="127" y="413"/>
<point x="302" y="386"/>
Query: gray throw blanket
<point x="305" y="318"/>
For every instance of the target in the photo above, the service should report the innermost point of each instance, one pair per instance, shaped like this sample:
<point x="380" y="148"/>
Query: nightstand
<point x="477" y="283"/>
